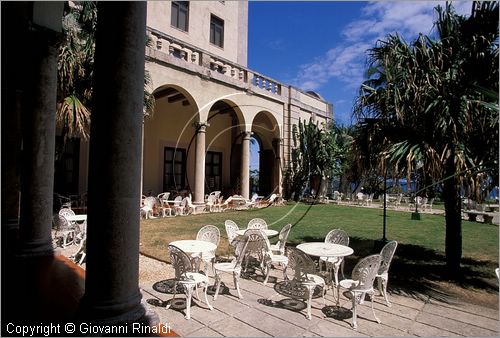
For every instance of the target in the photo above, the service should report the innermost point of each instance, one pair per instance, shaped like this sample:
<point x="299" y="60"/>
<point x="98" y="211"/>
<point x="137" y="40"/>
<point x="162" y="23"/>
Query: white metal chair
<point x="226" y="205"/>
<point x="165" y="207"/>
<point x="258" y="243"/>
<point x="387" y="253"/>
<point x="282" y="238"/>
<point x="427" y="206"/>
<point x="361" y="283"/>
<point x="335" y="236"/>
<point x="361" y="199"/>
<point x="64" y="231"/>
<point x="80" y="255"/>
<point x="185" y="276"/>
<point x="211" y="202"/>
<point x="208" y="233"/>
<point x="233" y="267"/>
<point x="231" y="229"/>
<point x="66" y="212"/>
<point x="257" y="223"/>
<point x="150" y="203"/>
<point x="303" y="272"/>
<point x="252" y="202"/>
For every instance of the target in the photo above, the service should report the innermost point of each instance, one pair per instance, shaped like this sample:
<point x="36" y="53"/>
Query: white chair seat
<point x="348" y="283"/>
<point x="225" y="267"/>
<point x="195" y="277"/>
<point x="279" y="259"/>
<point x="275" y="247"/>
<point x="314" y="279"/>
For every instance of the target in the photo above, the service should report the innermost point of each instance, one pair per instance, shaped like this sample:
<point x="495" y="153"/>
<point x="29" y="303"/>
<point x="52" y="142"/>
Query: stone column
<point x="112" y="272"/>
<point x="37" y="159"/>
<point x="245" y="165"/>
<point x="199" y="165"/>
<point x="277" y="166"/>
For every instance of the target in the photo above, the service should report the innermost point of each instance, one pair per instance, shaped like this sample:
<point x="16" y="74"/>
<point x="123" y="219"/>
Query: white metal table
<point x="194" y="246"/>
<point x="322" y="249"/>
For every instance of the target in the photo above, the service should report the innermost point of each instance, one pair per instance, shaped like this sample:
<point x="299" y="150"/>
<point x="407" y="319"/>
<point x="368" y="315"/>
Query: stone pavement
<point x="263" y="312"/>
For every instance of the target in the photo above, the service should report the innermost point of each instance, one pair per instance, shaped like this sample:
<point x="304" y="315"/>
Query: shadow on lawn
<point x="420" y="273"/>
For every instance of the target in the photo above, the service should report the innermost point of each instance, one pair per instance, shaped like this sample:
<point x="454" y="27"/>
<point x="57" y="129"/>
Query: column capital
<point x="247" y="135"/>
<point x="201" y="126"/>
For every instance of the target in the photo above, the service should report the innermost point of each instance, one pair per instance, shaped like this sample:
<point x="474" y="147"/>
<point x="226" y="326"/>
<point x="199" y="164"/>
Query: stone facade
<point x="195" y="81"/>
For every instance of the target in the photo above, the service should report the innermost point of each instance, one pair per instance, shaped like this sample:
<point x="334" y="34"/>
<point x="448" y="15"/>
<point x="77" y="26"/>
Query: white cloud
<point x="346" y="61"/>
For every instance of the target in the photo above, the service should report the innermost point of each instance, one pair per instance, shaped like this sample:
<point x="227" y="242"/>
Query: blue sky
<point x="322" y="45"/>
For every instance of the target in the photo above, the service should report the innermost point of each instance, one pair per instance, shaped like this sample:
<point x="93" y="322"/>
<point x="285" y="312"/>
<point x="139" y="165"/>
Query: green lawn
<point x="419" y="260"/>
<point x="312" y="223"/>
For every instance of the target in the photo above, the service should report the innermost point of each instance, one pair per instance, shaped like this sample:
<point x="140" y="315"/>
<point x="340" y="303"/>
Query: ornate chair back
<point x="387" y="253"/>
<point x="257" y="223"/>
<point x="337" y="236"/>
<point x="240" y="249"/>
<point x="300" y="264"/>
<point x="66" y="212"/>
<point x="209" y="233"/>
<point x="283" y="237"/>
<point x="180" y="261"/>
<point x="231" y="228"/>
<point x="257" y="242"/>
<point x="365" y="272"/>
<point x="60" y="223"/>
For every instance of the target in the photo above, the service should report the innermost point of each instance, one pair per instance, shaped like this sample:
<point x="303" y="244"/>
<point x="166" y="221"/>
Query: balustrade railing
<point x="194" y="55"/>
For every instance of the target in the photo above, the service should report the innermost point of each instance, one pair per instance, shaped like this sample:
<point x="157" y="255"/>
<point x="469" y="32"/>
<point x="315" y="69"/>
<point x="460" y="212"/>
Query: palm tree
<point x="75" y="71"/>
<point x="427" y="100"/>
<point x="75" y="68"/>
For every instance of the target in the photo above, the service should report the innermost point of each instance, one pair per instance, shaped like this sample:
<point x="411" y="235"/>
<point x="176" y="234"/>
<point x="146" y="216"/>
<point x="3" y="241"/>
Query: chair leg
<point x="206" y="297"/>
<point x="382" y="287"/>
<point x="373" y="310"/>
<point x="236" y="279"/>
<point x="188" y="289"/>
<point x="217" y="282"/>
<point x="267" y="272"/>
<point x="354" y="312"/>
<point x="173" y="297"/>
<point x="309" y="300"/>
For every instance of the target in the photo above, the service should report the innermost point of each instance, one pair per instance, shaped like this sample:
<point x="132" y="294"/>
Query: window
<point x="174" y="169"/>
<point x="216" y="31"/>
<point x="67" y="167"/>
<point x="180" y="15"/>
<point x="213" y="171"/>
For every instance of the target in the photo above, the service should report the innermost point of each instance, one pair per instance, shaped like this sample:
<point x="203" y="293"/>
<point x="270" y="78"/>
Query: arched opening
<point x="266" y="131"/>
<point x="167" y="162"/>
<point x="255" y="165"/>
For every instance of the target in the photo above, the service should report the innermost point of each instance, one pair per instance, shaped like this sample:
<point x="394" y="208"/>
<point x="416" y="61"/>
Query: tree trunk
<point x="452" y="203"/>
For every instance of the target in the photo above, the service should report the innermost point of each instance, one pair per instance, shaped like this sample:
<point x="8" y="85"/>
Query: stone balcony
<point x="174" y="52"/>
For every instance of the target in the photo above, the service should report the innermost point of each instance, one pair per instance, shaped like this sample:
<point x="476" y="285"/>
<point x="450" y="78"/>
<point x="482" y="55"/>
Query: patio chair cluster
<point x="303" y="276"/>
<point x="162" y="206"/>
<point x="70" y="229"/>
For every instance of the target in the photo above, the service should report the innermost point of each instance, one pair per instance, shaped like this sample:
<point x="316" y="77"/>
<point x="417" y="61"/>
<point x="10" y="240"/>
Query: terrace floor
<point x="264" y="312"/>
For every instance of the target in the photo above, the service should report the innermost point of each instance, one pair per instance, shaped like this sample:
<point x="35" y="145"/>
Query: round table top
<point x="268" y="232"/>
<point x="325" y="249"/>
<point x="193" y="245"/>
<point x="76" y="218"/>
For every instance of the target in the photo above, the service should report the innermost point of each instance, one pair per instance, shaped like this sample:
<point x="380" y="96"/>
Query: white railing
<point x="194" y="55"/>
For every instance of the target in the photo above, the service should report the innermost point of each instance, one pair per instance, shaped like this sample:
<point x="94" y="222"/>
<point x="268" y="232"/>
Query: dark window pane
<point x="179" y="17"/>
<point x="216" y="31"/>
